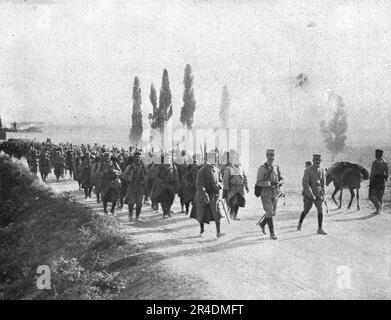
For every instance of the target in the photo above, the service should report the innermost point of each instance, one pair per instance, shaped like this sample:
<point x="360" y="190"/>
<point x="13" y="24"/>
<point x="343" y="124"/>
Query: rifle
<point x="259" y="221"/>
<point x="220" y="201"/>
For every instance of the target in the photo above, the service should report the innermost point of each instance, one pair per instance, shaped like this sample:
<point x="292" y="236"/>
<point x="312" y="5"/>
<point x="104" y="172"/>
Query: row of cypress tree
<point x="162" y="112"/>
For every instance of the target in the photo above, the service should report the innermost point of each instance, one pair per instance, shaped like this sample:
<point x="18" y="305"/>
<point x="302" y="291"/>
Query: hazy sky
<point x="75" y="61"/>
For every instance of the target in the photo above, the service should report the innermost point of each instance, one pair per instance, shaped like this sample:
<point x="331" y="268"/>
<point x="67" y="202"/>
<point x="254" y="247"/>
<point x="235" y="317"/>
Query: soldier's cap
<point x="270" y="151"/>
<point x="137" y="153"/>
<point x="316" y="156"/>
<point x="379" y="151"/>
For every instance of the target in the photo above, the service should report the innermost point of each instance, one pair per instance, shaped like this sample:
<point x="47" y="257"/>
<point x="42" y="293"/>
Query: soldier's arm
<point x="386" y="170"/>
<point x="261" y="177"/>
<point x="306" y="185"/>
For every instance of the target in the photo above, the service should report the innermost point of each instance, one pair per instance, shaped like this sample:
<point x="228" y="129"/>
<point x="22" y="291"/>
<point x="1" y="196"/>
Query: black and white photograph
<point x="195" y="150"/>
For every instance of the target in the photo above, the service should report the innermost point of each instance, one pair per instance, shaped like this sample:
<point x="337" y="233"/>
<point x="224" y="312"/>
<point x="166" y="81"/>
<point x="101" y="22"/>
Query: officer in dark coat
<point x="377" y="180"/>
<point x="135" y="175"/>
<point x="206" y="199"/>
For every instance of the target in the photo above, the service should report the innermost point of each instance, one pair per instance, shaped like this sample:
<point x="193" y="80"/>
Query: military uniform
<point x="164" y="187"/>
<point x="109" y="173"/>
<point x="135" y="175"/>
<point x="234" y="185"/>
<point x="378" y="178"/>
<point x="188" y="184"/>
<point x="269" y="179"/>
<point x="207" y="196"/>
<point x="313" y="192"/>
<point x="85" y="176"/>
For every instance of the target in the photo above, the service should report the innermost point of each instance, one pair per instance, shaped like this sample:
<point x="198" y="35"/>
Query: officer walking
<point x="313" y="192"/>
<point x="377" y="180"/>
<point x="270" y="180"/>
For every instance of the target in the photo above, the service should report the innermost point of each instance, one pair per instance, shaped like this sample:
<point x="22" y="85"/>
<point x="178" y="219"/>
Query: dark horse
<point x="346" y="175"/>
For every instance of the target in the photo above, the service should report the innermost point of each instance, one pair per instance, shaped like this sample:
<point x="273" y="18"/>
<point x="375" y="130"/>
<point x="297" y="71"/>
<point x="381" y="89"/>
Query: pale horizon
<point x="73" y="62"/>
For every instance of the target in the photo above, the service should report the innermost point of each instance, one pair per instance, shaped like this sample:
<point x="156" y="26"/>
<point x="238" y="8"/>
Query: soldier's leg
<point x="271" y="228"/>
<point x="319" y="206"/>
<point x="218" y="231"/>
<point x="182" y="205"/>
<point x="380" y="194"/>
<point x="374" y="199"/>
<point x="308" y="202"/>
<point x="85" y="192"/>
<point x="105" y="206"/>
<point x="112" y="211"/>
<point x="202" y="230"/>
<point x="130" y="211"/>
<point x="98" y="198"/>
<point x="139" y="205"/>
<point x="187" y="206"/>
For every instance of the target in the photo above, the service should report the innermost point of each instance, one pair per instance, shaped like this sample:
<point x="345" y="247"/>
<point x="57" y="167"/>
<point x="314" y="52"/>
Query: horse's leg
<point x="351" y="197"/>
<point x="334" y="193"/>
<point x="358" y="199"/>
<point x="340" y="199"/>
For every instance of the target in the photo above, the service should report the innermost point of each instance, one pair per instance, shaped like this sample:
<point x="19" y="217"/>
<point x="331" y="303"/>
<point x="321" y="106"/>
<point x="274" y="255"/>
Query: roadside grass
<point x="40" y="227"/>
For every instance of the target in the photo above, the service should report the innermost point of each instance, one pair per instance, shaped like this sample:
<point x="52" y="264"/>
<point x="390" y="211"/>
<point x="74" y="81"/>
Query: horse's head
<point x="329" y="177"/>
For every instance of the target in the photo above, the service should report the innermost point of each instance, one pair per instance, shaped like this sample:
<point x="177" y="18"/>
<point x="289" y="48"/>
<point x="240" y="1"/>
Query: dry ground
<point x="171" y="262"/>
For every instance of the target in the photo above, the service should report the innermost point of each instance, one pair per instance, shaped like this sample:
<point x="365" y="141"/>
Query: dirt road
<point x="352" y="262"/>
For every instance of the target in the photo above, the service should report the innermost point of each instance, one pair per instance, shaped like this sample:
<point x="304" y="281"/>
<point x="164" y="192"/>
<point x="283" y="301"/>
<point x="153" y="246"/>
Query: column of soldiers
<point x="132" y="177"/>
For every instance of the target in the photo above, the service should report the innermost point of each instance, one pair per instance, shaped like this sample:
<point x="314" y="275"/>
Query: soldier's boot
<point x="182" y="206"/>
<point x="302" y="216"/>
<point x="320" y="220"/>
<point x="271" y="228"/>
<point x="85" y="193"/>
<point x="89" y="192"/>
<point x="263" y="224"/>
<point x="202" y="230"/>
<point x="98" y="198"/>
<point x="218" y="231"/>
<point x="112" y="211"/>
<point x="105" y="206"/>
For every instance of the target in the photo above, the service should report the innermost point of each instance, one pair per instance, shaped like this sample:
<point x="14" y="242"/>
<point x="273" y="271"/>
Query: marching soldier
<point x="188" y="183"/>
<point x="85" y="175"/>
<point x="109" y="173"/>
<point x="377" y="181"/>
<point x="235" y="182"/>
<point x="165" y="184"/>
<point x="135" y="175"/>
<point x="96" y="181"/>
<point x="44" y="165"/>
<point x="314" y="191"/>
<point x="270" y="180"/>
<point x="58" y="164"/>
<point x="207" y="195"/>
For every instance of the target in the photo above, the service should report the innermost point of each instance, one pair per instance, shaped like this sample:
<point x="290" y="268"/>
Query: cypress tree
<point x="189" y="103"/>
<point x="137" y="118"/>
